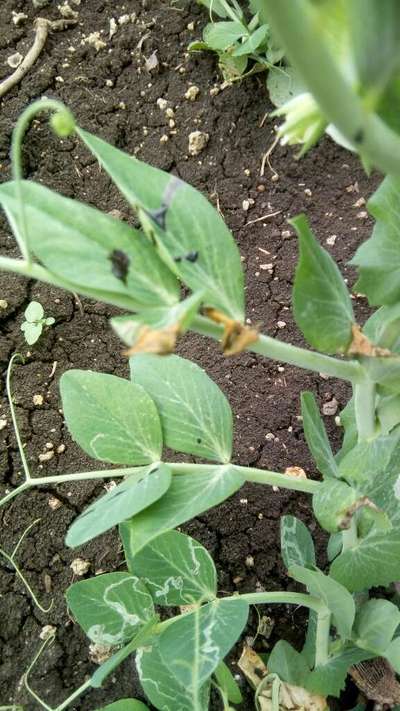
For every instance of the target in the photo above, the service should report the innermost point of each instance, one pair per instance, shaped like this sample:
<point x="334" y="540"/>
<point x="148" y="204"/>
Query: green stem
<point x="263" y="476"/>
<point x="74" y="696"/>
<point x="279" y="350"/>
<point x="364" y="403"/>
<point x="22" y="235"/>
<point x="25" y="582"/>
<point x="15" y="357"/>
<point x="281" y="598"/>
<point x="296" y="24"/>
<point x="322" y="637"/>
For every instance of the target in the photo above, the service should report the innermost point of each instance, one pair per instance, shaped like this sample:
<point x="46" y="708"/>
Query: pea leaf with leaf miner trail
<point x="193" y="644"/>
<point x="160" y="686"/>
<point x="378" y="259"/>
<point x="191" y="236"/>
<point x="297" y="547"/>
<point x="110" y="608"/>
<point x="330" y="678"/>
<point x="322" y="304"/>
<point x="111" y="418"/>
<point x="176" y="569"/>
<point x="75" y="242"/>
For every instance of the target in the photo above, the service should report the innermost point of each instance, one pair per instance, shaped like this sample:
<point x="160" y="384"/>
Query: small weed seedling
<point x="171" y="403"/>
<point x="35" y="322"/>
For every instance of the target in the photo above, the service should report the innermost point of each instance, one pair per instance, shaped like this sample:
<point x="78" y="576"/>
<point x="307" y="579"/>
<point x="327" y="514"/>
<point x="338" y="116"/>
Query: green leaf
<point x="374" y="561"/>
<point x="251" y="44"/>
<point x="376" y="623"/>
<point x="214" y="7"/>
<point x="288" y="664"/>
<point x="329" y="679"/>
<point x="49" y="321"/>
<point x="316" y="437"/>
<point x="368" y="461"/>
<point x="283" y="84"/>
<point x="221" y="35"/>
<point x="192" y="646"/>
<point x="32" y="332"/>
<point x="388" y="412"/>
<point x="227" y="683"/>
<point x="190" y="494"/>
<point x="125" y="705"/>
<point x="110" y="608"/>
<point x="145" y="633"/>
<point x="334" y="596"/>
<point x="335" y="545"/>
<point x="385" y="371"/>
<point x="375" y="35"/>
<point x="383" y="327"/>
<point x="162" y="688"/>
<point x="392" y="654"/>
<point x="331" y="503"/>
<point x="128" y="327"/>
<point x="322" y="305"/>
<point x="176" y="569"/>
<point x="195" y="415"/>
<point x="111" y="418"/>
<point x="34" y="312"/>
<point x="135" y="493"/>
<point x="297" y="547"/>
<point x="190" y="225"/>
<point x="77" y="243"/>
<point x="378" y="258"/>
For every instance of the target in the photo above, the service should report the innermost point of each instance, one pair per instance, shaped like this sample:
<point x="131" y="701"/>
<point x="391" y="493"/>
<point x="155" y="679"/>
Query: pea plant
<point x="35" y="322"/>
<point x="170" y="402"/>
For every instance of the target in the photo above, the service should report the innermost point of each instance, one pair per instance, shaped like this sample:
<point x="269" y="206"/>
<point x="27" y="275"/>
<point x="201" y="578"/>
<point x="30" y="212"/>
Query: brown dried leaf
<point x="291" y="698"/>
<point x="296" y="472"/>
<point x="160" y="342"/>
<point x="361" y="345"/>
<point x="236" y="335"/>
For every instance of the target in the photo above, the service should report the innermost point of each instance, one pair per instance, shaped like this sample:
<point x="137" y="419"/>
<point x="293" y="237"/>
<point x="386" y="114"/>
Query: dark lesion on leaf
<point x="359" y="136"/>
<point x="119" y="264"/>
<point x="190" y="257"/>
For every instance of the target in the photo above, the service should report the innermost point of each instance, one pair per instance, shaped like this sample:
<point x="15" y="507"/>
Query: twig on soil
<point x="264" y="217"/>
<point x="42" y="28"/>
<point x="265" y="158"/>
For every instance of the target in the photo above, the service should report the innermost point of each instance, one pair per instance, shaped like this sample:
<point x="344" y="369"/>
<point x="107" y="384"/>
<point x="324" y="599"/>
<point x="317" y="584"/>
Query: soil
<point x="112" y="94"/>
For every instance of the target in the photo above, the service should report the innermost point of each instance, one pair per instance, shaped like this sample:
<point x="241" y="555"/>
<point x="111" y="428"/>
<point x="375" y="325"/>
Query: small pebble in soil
<point x="46" y="456"/>
<point x="281" y="324"/>
<point x="54" y="503"/>
<point x="285" y="234"/>
<point x="14" y="60"/>
<point x="18" y="18"/>
<point x="47" y="631"/>
<point x="170" y="113"/>
<point x="197" y="142"/>
<point x="164" y="138"/>
<point x="162" y="104"/>
<point x="3" y="424"/>
<point x="60" y="448"/>
<point x="79" y="566"/>
<point x="192" y="93"/>
<point x="38" y="399"/>
<point x="330" y="408"/>
<point x="331" y="240"/>
<point x="3" y="304"/>
<point x="249" y="561"/>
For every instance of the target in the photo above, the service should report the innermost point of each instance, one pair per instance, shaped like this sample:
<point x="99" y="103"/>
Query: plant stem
<point x="364" y="403"/>
<point x="281" y="598"/>
<point x="15" y="357"/>
<point x="73" y="696"/>
<point x="285" y="481"/>
<point x="296" y="24"/>
<point x="322" y="637"/>
<point x="16" y="157"/>
<point x="285" y="352"/>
